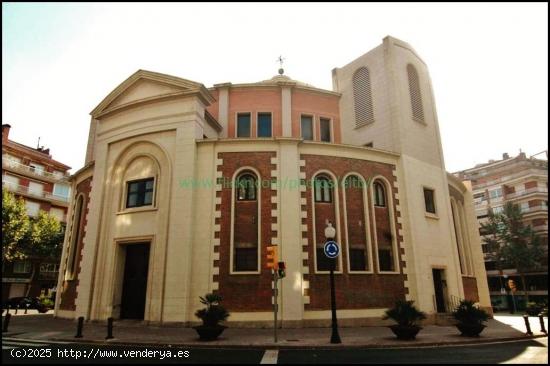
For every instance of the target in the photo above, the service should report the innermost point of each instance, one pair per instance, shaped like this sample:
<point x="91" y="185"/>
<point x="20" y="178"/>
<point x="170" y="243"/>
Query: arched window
<point x="416" y="95"/>
<point x="379" y="195"/>
<point x="356" y="224"/>
<point x="246" y="187"/>
<point x="246" y="223"/>
<point x="362" y="96"/>
<point x="384" y="227"/>
<point x="323" y="189"/>
<point x="75" y="238"/>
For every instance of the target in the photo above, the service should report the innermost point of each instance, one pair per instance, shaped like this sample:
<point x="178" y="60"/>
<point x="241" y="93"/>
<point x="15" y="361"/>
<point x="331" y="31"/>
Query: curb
<point x="290" y="347"/>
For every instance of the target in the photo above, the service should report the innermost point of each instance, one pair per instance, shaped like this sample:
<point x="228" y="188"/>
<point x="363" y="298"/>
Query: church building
<point x="185" y="187"/>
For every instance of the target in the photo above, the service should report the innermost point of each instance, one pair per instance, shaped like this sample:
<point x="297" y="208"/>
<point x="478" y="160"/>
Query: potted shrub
<point x="407" y="317"/>
<point x="470" y="318"/>
<point x="211" y="316"/>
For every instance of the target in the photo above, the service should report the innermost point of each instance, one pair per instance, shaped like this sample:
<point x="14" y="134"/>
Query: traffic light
<point x="272" y="257"/>
<point x="512" y="285"/>
<point x="281" y="267"/>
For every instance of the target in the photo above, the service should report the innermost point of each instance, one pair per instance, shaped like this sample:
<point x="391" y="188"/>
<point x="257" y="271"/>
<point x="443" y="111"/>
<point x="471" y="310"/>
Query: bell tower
<point x="387" y="103"/>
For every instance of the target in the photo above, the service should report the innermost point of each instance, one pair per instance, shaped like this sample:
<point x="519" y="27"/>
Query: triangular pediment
<point x="146" y="86"/>
<point x="144" y="89"/>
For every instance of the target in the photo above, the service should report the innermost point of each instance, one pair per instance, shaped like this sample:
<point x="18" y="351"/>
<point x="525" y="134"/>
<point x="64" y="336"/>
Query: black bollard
<point x="542" y="328"/>
<point x="27" y="308"/>
<point x="526" y="319"/>
<point x="6" y="322"/>
<point x="79" y="327"/>
<point x="109" y="328"/>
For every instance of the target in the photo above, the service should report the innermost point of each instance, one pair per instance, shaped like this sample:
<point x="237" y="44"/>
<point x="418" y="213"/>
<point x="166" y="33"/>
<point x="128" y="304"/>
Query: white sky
<point x="488" y="62"/>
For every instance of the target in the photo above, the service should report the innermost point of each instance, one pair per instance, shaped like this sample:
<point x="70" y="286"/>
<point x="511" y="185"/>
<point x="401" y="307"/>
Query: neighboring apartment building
<point x="41" y="181"/>
<point x="522" y="181"/>
<point x="184" y="187"/>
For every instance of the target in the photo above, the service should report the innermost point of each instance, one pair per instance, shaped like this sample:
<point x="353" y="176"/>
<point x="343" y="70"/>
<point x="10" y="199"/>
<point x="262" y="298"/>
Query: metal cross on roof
<point x="280" y="60"/>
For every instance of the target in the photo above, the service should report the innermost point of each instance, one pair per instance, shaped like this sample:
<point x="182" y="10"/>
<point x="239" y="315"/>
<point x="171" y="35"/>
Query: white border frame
<point x="331" y="126"/>
<point x="313" y="116"/>
<point x="232" y="224"/>
<point x="389" y="203"/>
<point x="431" y="215"/>
<point x="69" y="274"/>
<point x="336" y="202"/>
<point x="237" y="124"/>
<point x="366" y="223"/>
<point x="257" y="120"/>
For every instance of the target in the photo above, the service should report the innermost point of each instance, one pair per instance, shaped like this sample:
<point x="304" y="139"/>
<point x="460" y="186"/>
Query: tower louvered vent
<point x="416" y="96"/>
<point x="362" y="95"/>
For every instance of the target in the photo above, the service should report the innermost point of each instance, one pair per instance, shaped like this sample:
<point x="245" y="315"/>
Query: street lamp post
<point x="330" y="234"/>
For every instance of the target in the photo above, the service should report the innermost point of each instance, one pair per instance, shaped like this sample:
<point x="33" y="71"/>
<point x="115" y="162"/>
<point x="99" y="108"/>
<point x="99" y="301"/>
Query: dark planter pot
<point x="209" y="332"/>
<point x="405" y="332"/>
<point x="470" y="330"/>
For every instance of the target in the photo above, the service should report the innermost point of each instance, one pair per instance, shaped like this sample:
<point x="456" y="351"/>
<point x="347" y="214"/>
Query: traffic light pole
<point x="275" y="309"/>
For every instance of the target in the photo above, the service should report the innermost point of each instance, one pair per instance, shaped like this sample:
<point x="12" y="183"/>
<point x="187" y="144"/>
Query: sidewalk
<point x="45" y="327"/>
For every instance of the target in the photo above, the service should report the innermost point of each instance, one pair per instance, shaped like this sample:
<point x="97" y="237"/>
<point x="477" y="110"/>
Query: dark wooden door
<point x="439" y="293"/>
<point x="134" y="287"/>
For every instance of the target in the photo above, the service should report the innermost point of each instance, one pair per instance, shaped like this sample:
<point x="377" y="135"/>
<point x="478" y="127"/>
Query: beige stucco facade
<point x="158" y="126"/>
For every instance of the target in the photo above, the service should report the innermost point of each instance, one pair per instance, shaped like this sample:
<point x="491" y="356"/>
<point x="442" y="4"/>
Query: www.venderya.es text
<point x="96" y="353"/>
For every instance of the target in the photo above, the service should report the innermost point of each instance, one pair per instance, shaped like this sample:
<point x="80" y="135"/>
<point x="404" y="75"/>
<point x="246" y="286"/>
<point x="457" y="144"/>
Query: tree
<point x="511" y="242"/>
<point x="43" y="240"/>
<point x="28" y="238"/>
<point x="15" y="225"/>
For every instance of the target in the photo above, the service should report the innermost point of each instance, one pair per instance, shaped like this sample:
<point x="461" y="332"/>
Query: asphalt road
<point x="22" y="351"/>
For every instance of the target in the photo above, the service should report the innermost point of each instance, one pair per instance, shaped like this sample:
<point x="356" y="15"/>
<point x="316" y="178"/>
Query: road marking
<point x="270" y="357"/>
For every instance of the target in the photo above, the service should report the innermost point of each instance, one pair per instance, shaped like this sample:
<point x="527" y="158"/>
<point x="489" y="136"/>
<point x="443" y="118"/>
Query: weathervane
<point x="280" y="61"/>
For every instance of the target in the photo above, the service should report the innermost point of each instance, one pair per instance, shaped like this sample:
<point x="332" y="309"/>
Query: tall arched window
<point x="324" y="211"/>
<point x="75" y="238"/>
<point x="323" y="189"/>
<point x="356" y="224"/>
<point x="383" y="219"/>
<point x="246" y="187"/>
<point x="379" y="194"/>
<point x="362" y="96"/>
<point x="245" y="223"/>
<point x="416" y="95"/>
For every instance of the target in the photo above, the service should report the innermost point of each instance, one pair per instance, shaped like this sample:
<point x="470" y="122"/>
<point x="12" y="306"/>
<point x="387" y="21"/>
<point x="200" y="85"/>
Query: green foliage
<point x="405" y="313"/>
<point x="45" y="237"/>
<point x="214" y="312"/>
<point x="511" y="243"/>
<point x="468" y="313"/>
<point x="24" y="237"/>
<point x="15" y="224"/>
<point x="46" y="301"/>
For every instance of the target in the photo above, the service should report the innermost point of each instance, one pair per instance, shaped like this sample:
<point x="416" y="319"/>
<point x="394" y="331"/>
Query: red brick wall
<point x="470" y="288"/>
<point x="353" y="291"/>
<point x="254" y="101"/>
<point x="68" y="292"/>
<point x="317" y="105"/>
<point x="356" y="222"/>
<point x="245" y="292"/>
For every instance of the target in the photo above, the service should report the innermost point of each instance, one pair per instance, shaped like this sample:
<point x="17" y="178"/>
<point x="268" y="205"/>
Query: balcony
<point x="503" y="180"/>
<point x="12" y="165"/>
<point x="25" y="191"/>
<point x="519" y="194"/>
<point x="534" y="209"/>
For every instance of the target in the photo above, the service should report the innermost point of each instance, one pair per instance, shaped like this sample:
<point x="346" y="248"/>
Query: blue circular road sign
<point x="332" y="250"/>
